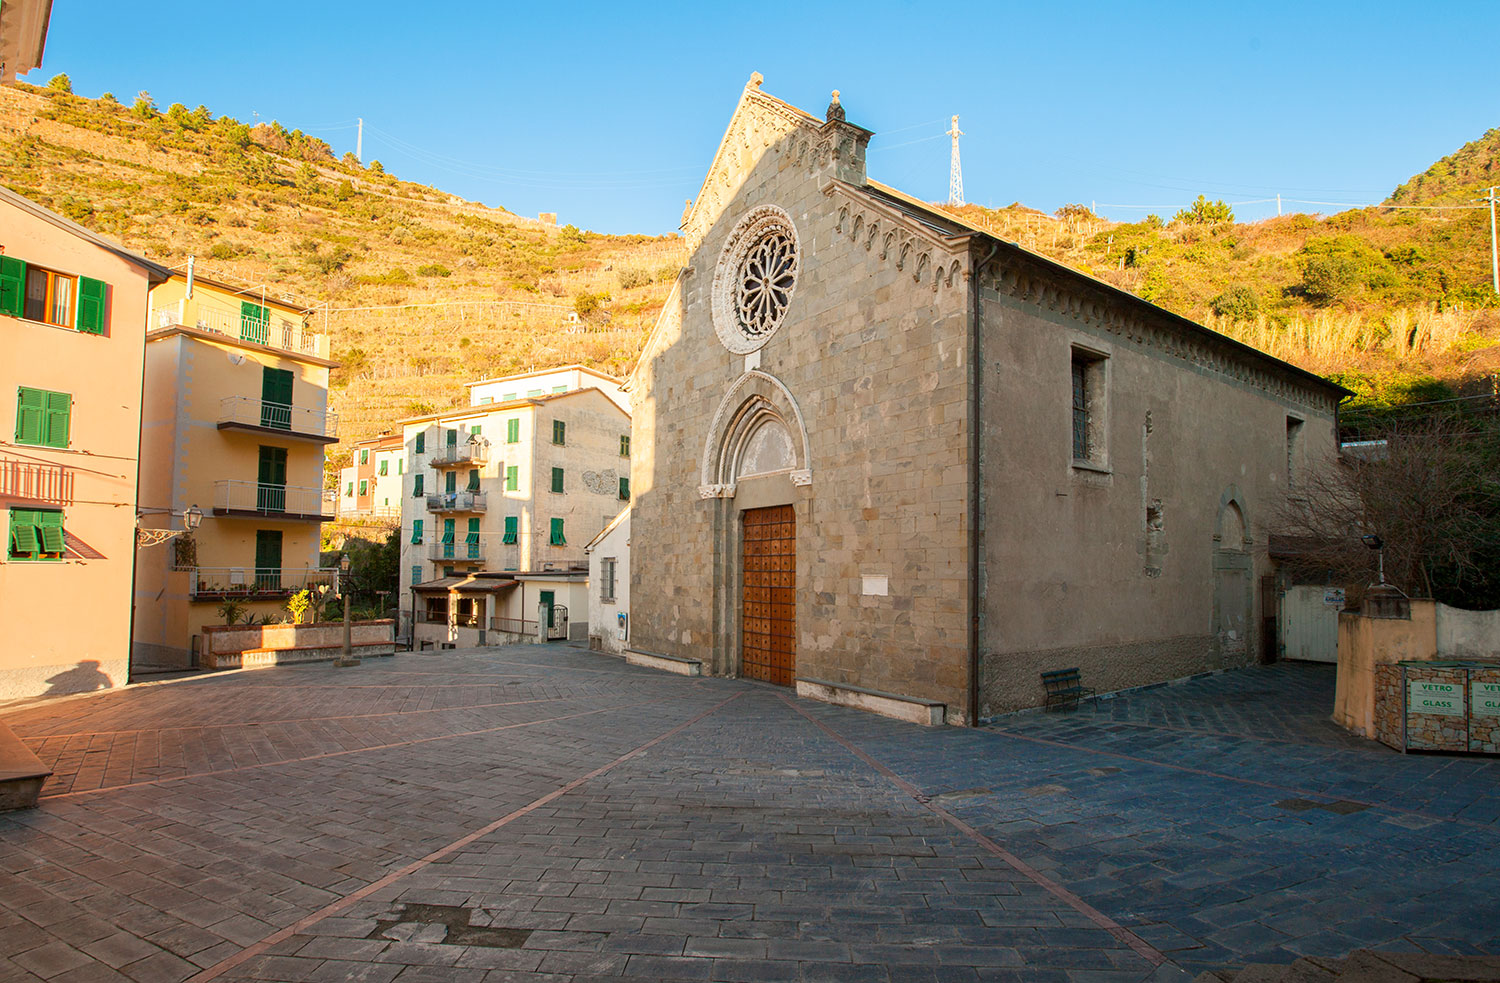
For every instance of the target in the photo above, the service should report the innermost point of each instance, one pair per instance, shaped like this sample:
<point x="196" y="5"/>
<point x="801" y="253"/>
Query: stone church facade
<point x="885" y="456"/>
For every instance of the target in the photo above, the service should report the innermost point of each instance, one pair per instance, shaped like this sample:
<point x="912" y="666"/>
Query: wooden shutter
<point x="416" y="486"/>
<point x="12" y="286"/>
<point x="31" y="406"/>
<point x="276" y="398"/>
<point x="511" y="482"/>
<point x="267" y="549"/>
<point x="273" y="466"/>
<point x="254" y="320"/>
<point x="473" y="479"/>
<point x="421" y="443"/>
<point x="447" y="530"/>
<point x="416" y="530"/>
<point x="91" y="295"/>
<point x="450" y="482"/>
<point x="624" y="489"/>
<point x="512" y="431"/>
<point x="557" y="479"/>
<point x="557" y="533"/>
<point x="472" y="539"/>
<point x="56" y="419"/>
<point x="511" y="529"/>
<point x="23" y="538"/>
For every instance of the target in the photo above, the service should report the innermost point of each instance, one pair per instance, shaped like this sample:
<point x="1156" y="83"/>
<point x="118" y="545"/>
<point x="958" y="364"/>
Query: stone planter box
<point x="248" y="646"/>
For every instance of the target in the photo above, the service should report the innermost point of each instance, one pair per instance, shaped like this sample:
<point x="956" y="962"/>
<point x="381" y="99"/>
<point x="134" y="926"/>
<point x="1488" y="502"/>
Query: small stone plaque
<point x="1440" y="699"/>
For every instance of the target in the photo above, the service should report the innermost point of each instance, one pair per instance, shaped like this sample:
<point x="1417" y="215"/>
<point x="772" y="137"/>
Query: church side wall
<point x="1115" y="567"/>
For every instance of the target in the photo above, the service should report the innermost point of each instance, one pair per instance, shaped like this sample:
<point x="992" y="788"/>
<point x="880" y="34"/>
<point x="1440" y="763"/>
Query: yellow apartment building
<point x="235" y="422"/>
<point x="72" y="324"/>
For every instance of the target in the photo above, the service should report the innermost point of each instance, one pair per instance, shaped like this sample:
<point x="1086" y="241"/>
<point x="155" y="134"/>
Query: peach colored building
<point x="73" y="317"/>
<point x="235" y="421"/>
<point x="370" y="487"/>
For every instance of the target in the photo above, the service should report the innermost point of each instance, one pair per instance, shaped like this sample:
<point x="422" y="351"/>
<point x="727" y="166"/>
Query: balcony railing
<point x="256" y="498"/>
<point x="515" y="625"/>
<point x="273" y="332"/>
<point x="460" y="551"/>
<point x="247" y="411"/>
<point x="468" y="452"/>
<point x="458" y="502"/>
<point x="213" y="583"/>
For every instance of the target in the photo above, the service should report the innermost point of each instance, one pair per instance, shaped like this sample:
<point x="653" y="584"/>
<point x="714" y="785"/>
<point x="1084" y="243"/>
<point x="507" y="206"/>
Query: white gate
<point x="1309" y="623"/>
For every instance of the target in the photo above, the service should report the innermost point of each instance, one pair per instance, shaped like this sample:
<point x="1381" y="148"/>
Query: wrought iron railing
<point x="467" y="452"/>
<point x="460" y="550"/>
<point x="208" y="583"/>
<point x="464" y="501"/>
<point x="269" y="499"/>
<point x="273" y="332"/>
<point x="248" y="411"/>
<point x="518" y="626"/>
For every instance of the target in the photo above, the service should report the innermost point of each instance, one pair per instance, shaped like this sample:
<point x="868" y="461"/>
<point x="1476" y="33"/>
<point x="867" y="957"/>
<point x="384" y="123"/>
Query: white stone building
<point x="498" y="502"/>
<point x="609" y="586"/>
<point x="548" y="382"/>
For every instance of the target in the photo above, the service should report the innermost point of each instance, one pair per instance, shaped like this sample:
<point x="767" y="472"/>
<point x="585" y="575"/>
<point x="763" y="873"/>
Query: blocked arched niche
<point x="757" y="429"/>
<point x="1232" y="524"/>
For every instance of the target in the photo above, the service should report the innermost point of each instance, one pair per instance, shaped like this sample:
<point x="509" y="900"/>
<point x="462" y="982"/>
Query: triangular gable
<point x="761" y="122"/>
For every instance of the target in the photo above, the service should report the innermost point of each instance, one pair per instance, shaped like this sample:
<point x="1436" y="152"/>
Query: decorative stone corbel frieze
<point x="716" y="491"/>
<point x="802" y="476"/>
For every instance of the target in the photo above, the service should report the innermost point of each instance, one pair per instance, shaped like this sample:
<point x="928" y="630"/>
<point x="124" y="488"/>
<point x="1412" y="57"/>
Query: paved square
<point x="546" y="814"/>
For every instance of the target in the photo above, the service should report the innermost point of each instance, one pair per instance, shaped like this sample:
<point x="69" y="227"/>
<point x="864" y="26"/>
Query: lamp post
<point x="1375" y="543"/>
<point x="347" y="658"/>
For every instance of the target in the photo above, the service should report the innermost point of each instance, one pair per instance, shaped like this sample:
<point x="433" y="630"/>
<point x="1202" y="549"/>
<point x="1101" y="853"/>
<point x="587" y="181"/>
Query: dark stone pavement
<point x="547" y="814"/>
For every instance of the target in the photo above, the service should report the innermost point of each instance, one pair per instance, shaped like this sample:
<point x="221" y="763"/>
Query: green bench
<point x="1065" y="689"/>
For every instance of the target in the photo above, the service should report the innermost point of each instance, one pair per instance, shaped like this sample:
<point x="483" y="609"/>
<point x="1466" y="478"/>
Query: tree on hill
<point x="144" y="106"/>
<point x="61" y="83"/>
<point x="1204" y="212"/>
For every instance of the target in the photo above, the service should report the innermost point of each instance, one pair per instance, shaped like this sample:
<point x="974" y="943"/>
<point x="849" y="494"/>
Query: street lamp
<point x="347" y="658"/>
<point x="1374" y="542"/>
<point x="192" y="518"/>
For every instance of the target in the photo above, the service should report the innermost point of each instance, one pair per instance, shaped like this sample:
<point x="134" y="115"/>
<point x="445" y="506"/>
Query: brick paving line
<point x="254" y="949"/>
<point x="1103" y="721"/>
<point x="1302" y="793"/>
<point x="337" y="754"/>
<point x="291" y="720"/>
<point x="1140" y="946"/>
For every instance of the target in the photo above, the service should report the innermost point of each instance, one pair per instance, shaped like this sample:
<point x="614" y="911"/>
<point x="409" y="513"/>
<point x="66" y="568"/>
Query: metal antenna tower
<point x="955" y="173"/>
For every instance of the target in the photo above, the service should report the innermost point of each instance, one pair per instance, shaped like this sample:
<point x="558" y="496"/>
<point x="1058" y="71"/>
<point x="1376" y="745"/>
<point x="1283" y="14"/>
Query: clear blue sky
<point x="609" y="115"/>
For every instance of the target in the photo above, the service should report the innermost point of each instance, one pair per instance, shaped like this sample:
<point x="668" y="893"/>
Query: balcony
<point x="458" y="502"/>
<point x="462" y="551"/>
<point x="255" y="583"/>
<point x="293" y="422"/>
<point x="252" y="499"/>
<point x="469" y="452"/>
<point x="273" y="332"/>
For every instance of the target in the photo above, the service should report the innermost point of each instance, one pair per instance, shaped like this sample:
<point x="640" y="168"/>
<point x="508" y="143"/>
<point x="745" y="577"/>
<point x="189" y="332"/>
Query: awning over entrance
<point x="465" y="585"/>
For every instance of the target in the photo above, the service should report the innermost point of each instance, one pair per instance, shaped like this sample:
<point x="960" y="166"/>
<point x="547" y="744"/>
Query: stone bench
<point x="912" y="709"/>
<point x="666" y="663"/>
<point x="21" y="773"/>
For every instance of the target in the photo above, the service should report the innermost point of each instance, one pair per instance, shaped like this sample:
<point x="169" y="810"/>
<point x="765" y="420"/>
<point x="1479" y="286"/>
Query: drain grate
<point x="446" y="925"/>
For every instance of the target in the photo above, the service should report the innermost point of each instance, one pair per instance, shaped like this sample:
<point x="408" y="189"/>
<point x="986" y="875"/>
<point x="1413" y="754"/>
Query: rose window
<point x="754" y="279"/>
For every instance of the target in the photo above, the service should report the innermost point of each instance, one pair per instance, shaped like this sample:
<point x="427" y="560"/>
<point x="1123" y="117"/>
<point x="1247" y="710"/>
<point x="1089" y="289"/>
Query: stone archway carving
<point x="739" y="432"/>
<point x="1232" y="523"/>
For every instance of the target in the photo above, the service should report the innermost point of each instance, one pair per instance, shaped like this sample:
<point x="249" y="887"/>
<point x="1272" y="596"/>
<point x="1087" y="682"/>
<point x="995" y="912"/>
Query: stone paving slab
<point x="548" y="814"/>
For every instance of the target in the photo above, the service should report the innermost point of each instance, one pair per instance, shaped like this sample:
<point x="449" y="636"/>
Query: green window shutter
<point x="475" y="431"/>
<point x="512" y="529"/>
<point x="416" y="486"/>
<point x="12" y="286"/>
<point x="624" y="489"/>
<point x="507" y="397"/>
<point x="624" y="446"/>
<point x="450" y="482"/>
<point x="512" y="480"/>
<point x="416" y="530"/>
<point x="31" y="407"/>
<point x="272" y="469"/>
<point x="512" y="431"/>
<point x="91" y="295"/>
<point x="50" y="525"/>
<point x="559" y="389"/>
<point x="364" y="455"/>
<point x="24" y="544"/>
<point x="254" y="323"/>
<point x="400" y="465"/>
<point x="473" y="536"/>
<point x="385" y="468"/>
<point x="447" y="530"/>
<point x="56" y="419"/>
<point x="473" y="479"/>
<point x="276" y="398"/>
<point x="349" y="492"/>
<point x="267" y="553"/>
<point x="364" y="487"/>
<point x="452" y="438"/>
<point x="557" y="479"/>
<point x="533" y="393"/>
<point x="559" y="432"/>
<point x="421" y="443"/>
<point x="557" y="533"/>
<point x="416" y="574"/>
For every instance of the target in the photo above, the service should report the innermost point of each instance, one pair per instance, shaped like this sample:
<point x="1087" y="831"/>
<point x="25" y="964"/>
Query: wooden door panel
<point x="769" y="609"/>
